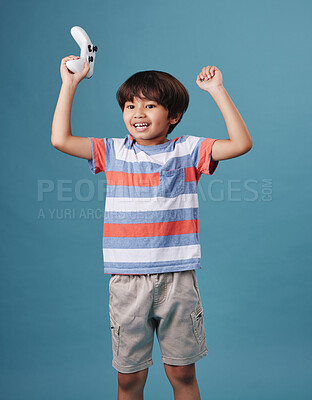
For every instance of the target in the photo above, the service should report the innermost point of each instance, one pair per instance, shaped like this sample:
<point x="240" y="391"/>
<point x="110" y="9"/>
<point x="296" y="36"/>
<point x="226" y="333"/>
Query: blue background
<point x="256" y="245"/>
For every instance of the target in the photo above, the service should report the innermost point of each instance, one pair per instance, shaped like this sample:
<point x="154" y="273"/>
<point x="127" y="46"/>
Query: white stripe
<point x="192" y="142"/>
<point x="128" y="204"/>
<point x="180" y="150"/>
<point x="152" y="255"/>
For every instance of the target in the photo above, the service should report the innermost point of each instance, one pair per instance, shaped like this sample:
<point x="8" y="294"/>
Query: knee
<point x="184" y="375"/>
<point x="129" y="382"/>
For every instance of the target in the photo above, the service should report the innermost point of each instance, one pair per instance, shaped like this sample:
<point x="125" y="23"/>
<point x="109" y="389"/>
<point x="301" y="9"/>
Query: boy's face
<point x="153" y="118"/>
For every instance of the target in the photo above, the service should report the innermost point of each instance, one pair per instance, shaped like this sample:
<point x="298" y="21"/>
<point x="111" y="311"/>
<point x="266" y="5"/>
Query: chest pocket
<point x="171" y="182"/>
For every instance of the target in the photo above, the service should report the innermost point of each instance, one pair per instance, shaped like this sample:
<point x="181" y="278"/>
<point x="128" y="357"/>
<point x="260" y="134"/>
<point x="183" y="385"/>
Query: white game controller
<point x="87" y="51"/>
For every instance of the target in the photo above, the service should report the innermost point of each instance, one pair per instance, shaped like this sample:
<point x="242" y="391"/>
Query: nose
<point x="139" y="112"/>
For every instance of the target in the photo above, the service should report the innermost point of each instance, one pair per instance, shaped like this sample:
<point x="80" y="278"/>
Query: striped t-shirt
<point x="151" y="209"/>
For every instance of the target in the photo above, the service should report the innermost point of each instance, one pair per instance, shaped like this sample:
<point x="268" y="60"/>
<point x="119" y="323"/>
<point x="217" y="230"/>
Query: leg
<point x="130" y="386"/>
<point x="183" y="381"/>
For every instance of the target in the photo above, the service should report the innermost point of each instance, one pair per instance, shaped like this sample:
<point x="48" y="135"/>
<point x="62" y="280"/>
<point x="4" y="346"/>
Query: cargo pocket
<point x="115" y="329"/>
<point x="198" y="323"/>
<point x="171" y="182"/>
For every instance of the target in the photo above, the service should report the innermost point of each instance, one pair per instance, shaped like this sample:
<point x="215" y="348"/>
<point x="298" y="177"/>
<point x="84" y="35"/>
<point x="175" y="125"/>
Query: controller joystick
<point x="87" y="51"/>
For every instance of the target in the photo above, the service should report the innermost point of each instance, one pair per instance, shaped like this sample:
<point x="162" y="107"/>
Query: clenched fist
<point x="209" y="78"/>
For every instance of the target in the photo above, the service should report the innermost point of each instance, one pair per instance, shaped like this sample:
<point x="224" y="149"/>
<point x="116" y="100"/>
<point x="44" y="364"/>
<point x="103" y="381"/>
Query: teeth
<point x="141" y="124"/>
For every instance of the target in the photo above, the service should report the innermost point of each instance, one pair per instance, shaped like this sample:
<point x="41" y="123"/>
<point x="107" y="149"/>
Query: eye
<point x="150" y="106"/>
<point x="130" y="106"/>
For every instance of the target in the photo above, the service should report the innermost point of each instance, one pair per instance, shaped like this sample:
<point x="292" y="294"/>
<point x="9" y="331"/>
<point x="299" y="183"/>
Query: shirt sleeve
<point x="202" y="158"/>
<point x="97" y="164"/>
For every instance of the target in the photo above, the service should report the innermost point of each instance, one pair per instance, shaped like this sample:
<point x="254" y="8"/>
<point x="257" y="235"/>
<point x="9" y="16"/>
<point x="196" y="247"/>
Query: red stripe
<point x="151" y="229"/>
<point x="191" y="174"/>
<point x="147" y="180"/>
<point x="99" y="154"/>
<point x="205" y="155"/>
<point x="130" y="179"/>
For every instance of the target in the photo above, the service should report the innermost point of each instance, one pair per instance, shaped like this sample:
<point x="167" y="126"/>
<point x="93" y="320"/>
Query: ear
<point x="173" y="121"/>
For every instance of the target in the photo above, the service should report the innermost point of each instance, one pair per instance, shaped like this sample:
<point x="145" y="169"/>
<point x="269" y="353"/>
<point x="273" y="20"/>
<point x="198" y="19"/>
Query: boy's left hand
<point x="209" y="78"/>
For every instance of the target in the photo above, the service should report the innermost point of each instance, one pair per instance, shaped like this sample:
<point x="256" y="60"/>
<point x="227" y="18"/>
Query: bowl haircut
<point x="158" y="86"/>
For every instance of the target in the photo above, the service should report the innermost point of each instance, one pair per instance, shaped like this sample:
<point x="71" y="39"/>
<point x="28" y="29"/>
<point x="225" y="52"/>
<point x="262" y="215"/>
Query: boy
<point x="150" y="239"/>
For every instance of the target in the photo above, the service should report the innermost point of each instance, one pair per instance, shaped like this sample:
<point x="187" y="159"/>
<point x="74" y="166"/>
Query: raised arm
<point x="61" y="136"/>
<point x="239" y="142"/>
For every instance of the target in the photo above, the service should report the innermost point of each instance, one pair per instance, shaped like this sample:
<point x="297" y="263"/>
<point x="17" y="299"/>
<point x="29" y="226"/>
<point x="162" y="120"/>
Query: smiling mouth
<point x="141" y="126"/>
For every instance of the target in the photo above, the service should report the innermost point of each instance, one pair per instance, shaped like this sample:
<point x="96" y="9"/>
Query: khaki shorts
<point x="168" y="303"/>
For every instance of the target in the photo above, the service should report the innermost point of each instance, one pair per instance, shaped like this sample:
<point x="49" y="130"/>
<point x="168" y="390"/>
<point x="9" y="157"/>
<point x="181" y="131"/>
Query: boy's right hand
<point x="69" y="77"/>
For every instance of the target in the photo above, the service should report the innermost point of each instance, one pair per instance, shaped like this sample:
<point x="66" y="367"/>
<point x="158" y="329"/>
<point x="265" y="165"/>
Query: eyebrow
<point x="141" y="98"/>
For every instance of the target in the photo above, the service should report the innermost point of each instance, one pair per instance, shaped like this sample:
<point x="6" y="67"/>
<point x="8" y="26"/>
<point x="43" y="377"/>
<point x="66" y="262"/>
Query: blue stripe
<point x="182" y="138"/>
<point x="141" y="167"/>
<point x="167" y="146"/>
<point x="150" y="191"/>
<point x="136" y="217"/>
<point x="156" y="149"/>
<point x="153" y="242"/>
<point x="151" y="270"/>
<point x="196" y="152"/>
<point x="147" y="265"/>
